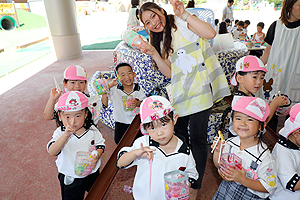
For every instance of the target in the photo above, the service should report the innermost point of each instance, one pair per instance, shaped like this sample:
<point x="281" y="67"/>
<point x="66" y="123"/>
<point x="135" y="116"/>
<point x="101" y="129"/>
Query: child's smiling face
<point x="126" y="75"/>
<point x="244" y="125"/>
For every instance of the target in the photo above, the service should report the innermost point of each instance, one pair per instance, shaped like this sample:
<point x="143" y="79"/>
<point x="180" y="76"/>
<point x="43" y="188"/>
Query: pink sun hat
<point x="72" y="101"/>
<point x="75" y="72"/>
<point x="292" y="123"/>
<point x="247" y="64"/>
<point x="153" y="108"/>
<point x="254" y="107"/>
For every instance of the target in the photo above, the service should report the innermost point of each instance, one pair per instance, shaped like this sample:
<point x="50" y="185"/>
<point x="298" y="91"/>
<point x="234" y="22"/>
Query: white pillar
<point x="63" y="28"/>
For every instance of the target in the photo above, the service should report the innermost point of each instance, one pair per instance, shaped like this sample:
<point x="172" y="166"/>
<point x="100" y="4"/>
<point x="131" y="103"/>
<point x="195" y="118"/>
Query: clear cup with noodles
<point x="128" y="102"/>
<point x="228" y="160"/>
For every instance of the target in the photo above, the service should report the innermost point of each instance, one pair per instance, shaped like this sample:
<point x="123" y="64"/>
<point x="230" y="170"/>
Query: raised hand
<point x="178" y="7"/>
<point x="54" y="94"/>
<point x="145" y="152"/>
<point x="69" y="130"/>
<point x="145" y="47"/>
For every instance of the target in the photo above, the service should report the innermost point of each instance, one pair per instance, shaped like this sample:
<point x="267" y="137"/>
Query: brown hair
<point x="156" y="38"/>
<point x="287" y="6"/>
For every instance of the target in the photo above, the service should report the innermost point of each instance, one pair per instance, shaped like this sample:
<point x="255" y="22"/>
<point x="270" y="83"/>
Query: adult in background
<point x="282" y="53"/>
<point x="228" y="11"/>
<point x="181" y="52"/>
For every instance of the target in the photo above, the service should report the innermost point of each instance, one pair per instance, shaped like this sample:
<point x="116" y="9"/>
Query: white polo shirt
<point x="65" y="161"/>
<point x="162" y="163"/>
<point x="287" y="157"/>
<point x="260" y="160"/>
<point x="116" y="93"/>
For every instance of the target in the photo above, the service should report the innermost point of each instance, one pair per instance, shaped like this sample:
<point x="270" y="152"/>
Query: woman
<point x="283" y="50"/>
<point x="282" y="55"/>
<point x="181" y="52"/>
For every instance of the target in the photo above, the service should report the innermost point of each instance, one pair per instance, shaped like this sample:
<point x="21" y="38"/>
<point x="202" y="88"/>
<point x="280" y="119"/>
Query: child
<point x="222" y="28"/>
<point x="227" y="21"/>
<point x="76" y="132"/>
<point x="74" y="80"/>
<point x="248" y="79"/>
<point x="235" y="25"/>
<point x="246" y="24"/>
<point x="217" y="25"/>
<point x="257" y="177"/>
<point x="117" y="93"/>
<point x="239" y="33"/>
<point x="167" y="151"/>
<point x="287" y="156"/>
<point x="133" y="19"/>
<point x="259" y="37"/>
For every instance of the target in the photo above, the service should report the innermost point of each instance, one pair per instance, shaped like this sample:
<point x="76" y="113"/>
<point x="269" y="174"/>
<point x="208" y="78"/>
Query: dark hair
<point x="227" y="20"/>
<point x="66" y="80"/>
<point x="165" y="36"/>
<point x="241" y="23"/>
<point x="122" y="64"/>
<point x="230" y="1"/>
<point x="135" y="2"/>
<point x="164" y="119"/>
<point x="259" y="134"/>
<point x="87" y="123"/>
<point x="261" y="24"/>
<point x="236" y="21"/>
<point x="287" y="6"/>
<point x="223" y="28"/>
<point x="216" y="21"/>
<point x="190" y="4"/>
<point x="247" y="22"/>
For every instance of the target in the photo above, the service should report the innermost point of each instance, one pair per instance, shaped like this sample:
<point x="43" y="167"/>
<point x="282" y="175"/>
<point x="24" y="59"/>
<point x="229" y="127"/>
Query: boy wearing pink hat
<point x="76" y="135"/>
<point x="75" y="79"/>
<point x="158" y="151"/>
<point x="287" y="156"/>
<point x="248" y="79"/>
<point x="257" y="177"/>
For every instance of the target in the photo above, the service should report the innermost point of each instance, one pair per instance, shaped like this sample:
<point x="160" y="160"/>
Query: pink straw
<point x="150" y="176"/>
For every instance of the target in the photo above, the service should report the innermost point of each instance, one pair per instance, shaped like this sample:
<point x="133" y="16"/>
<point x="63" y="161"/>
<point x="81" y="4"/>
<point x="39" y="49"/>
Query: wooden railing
<point x="110" y="170"/>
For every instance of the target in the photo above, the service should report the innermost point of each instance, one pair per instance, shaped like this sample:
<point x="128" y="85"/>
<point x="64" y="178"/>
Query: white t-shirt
<point x="115" y="94"/>
<point x="228" y="12"/>
<point x="236" y="34"/>
<point x="162" y="163"/>
<point x="287" y="158"/>
<point x="261" y="161"/>
<point x="65" y="161"/>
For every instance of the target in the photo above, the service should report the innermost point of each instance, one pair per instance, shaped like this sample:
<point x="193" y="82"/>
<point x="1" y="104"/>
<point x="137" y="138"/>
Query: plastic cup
<point x="229" y="160"/>
<point x="176" y="185"/>
<point x="128" y="102"/>
<point x="82" y="166"/>
<point x="101" y="86"/>
<point x="283" y="110"/>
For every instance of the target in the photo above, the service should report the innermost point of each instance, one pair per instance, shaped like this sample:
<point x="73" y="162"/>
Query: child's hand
<point x="145" y="47"/>
<point x="69" y="130"/>
<point x="232" y="174"/>
<point x="54" y="94"/>
<point x="279" y="101"/>
<point x="145" y="152"/>
<point x="136" y="103"/>
<point x="217" y="148"/>
<point x="113" y="83"/>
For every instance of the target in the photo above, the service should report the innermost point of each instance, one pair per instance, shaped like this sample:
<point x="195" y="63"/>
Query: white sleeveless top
<point x="283" y="63"/>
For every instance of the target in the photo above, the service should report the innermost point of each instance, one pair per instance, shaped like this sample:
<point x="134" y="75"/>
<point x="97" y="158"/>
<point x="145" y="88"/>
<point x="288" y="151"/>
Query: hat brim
<point x="289" y="127"/>
<point x="233" y="80"/>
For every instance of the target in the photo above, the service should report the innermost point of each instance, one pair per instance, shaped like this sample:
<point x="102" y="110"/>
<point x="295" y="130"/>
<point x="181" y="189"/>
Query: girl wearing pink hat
<point x="158" y="151"/>
<point x="287" y="156"/>
<point x="248" y="79"/>
<point x="76" y="133"/>
<point x="257" y="177"/>
<point x="75" y="78"/>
